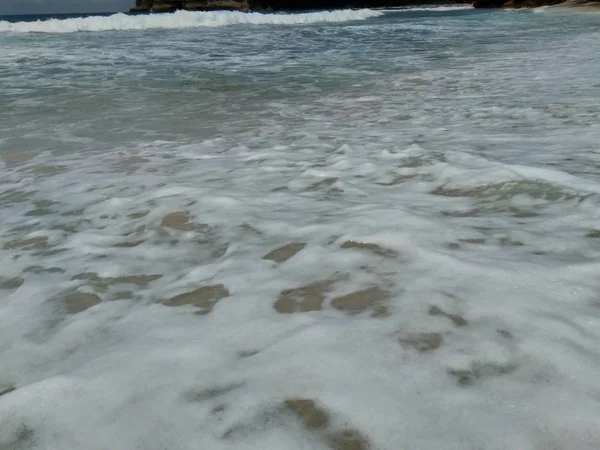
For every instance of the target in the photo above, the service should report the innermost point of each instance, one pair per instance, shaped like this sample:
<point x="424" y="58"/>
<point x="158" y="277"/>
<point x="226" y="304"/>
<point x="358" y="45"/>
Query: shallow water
<point x="368" y="229"/>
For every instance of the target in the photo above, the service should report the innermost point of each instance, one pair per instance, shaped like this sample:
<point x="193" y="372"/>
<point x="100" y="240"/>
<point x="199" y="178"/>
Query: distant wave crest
<point x="435" y="8"/>
<point x="181" y="19"/>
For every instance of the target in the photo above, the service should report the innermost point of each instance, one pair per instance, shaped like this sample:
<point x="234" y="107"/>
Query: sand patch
<point x="35" y="243"/>
<point x="138" y="215"/>
<point x="304" y="298"/>
<point x="396" y="179"/>
<point x="467" y="377"/>
<point x="457" y="319"/>
<point x="348" y="440"/>
<point x="325" y="183"/>
<point x="204" y="298"/>
<point x="219" y="251"/>
<point x="14" y="196"/>
<point x="11" y="283"/>
<point x="369" y="247"/>
<point x="42" y="208"/>
<point x="124" y="279"/>
<point x="48" y="169"/>
<point x="284" y="253"/>
<point x="473" y="240"/>
<point x="102" y="284"/>
<point x="176" y="220"/>
<point x="525" y="214"/>
<point x="307" y="411"/>
<point x="318" y="420"/>
<point x="509" y="242"/>
<point x="14" y="159"/>
<point x="43" y="270"/>
<point x="128" y="244"/>
<point x="39" y="212"/>
<point x="210" y="393"/>
<point x="359" y="301"/>
<point x="76" y="302"/>
<point x="423" y="342"/>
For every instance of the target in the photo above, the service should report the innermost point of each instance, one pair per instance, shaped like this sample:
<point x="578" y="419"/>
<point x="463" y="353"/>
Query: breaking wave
<point x="434" y="8"/>
<point x="182" y="19"/>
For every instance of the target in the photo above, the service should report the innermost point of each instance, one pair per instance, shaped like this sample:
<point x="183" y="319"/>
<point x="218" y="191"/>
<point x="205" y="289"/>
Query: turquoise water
<point x="352" y="229"/>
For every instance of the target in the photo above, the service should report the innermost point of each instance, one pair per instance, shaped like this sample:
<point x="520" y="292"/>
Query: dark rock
<point x="142" y="6"/>
<point x="488" y="3"/>
<point x="163" y="8"/>
<point x="212" y="5"/>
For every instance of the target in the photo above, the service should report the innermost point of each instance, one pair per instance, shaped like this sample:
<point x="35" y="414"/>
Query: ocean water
<point x="339" y="230"/>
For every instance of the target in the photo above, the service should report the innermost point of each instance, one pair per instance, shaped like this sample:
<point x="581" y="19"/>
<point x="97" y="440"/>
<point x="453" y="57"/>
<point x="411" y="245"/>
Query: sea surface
<point x="349" y="230"/>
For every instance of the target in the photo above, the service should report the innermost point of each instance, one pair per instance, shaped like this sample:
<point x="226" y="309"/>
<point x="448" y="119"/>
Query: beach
<point x="350" y="230"/>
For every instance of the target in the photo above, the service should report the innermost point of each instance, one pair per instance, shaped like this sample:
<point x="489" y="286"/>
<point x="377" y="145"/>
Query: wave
<point x="182" y="19"/>
<point x="429" y="8"/>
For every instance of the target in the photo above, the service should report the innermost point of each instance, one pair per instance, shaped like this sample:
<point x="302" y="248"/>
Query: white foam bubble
<point x="182" y="19"/>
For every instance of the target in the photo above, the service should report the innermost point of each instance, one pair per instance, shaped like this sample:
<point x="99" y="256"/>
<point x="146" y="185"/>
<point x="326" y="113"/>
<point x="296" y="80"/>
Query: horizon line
<point x="61" y="13"/>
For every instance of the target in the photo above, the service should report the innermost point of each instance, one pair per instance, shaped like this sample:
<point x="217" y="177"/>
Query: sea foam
<point x="359" y="236"/>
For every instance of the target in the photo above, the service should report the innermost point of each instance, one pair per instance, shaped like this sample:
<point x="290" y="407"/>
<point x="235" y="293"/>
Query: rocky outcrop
<point x="278" y="5"/>
<point x="191" y="5"/>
